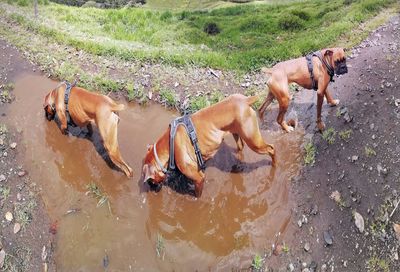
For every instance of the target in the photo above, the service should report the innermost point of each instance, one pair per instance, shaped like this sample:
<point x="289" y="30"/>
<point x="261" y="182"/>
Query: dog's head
<point x="151" y="171"/>
<point x="337" y="58"/>
<point x="49" y="106"/>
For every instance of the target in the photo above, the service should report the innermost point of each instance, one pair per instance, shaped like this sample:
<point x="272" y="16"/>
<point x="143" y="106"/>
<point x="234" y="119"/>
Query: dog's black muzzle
<point x="340" y="67"/>
<point x="154" y="186"/>
<point x="49" y="116"/>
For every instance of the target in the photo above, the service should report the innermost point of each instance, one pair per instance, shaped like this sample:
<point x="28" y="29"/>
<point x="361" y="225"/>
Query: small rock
<point x="396" y="228"/>
<point x="307" y="247"/>
<point x="150" y="95"/>
<point x="305" y="270"/>
<point x="314" y="209"/>
<point x="354" y="158"/>
<point x="324" y="268"/>
<point x="335" y="196"/>
<point x="13" y="145"/>
<point x="328" y="238"/>
<point x="19" y="196"/>
<point x="291" y="267"/>
<point x="9" y="216"/>
<point x="1" y="141"/>
<point x="2" y="258"/>
<point x="2" y="178"/>
<point x="17" y="228"/>
<point x="313" y="266"/>
<point x="359" y="221"/>
<point x="21" y="173"/>
<point x="278" y="250"/>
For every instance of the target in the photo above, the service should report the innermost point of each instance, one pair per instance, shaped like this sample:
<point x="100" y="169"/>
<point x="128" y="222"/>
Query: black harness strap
<point x="329" y="68"/>
<point x="186" y="121"/>
<point x="311" y="71"/>
<point x="66" y="100"/>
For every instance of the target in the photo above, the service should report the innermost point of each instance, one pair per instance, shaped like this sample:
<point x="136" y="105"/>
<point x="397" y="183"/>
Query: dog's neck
<point x="162" y="151"/>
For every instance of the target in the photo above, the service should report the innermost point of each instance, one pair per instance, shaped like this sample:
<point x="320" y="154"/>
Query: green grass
<point x="345" y="134"/>
<point x="97" y="193"/>
<point x="369" y="151"/>
<point x="329" y="135"/>
<point x="169" y="97"/>
<point x="257" y="262"/>
<point x="252" y="35"/>
<point x="309" y="156"/>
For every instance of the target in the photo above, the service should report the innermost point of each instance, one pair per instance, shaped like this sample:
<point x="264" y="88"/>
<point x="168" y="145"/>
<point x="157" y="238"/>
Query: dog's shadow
<point x="94" y="137"/>
<point x="225" y="160"/>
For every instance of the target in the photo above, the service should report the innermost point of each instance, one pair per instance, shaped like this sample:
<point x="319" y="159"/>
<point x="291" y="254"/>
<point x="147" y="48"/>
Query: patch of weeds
<point x="377" y="228"/>
<point x="5" y="94"/>
<point x="345" y="134"/>
<point x="4" y="192"/>
<point x="23" y="211"/>
<point x="3" y="129"/>
<point x="137" y="94"/>
<point x="168" y="97"/>
<point x="18" y="259"/>
<point x="285" y="248"/>
<point x="216" y="97"/>
<point x="309" y="156"/>
<point x="369" y="151"/>
<point x="338" y="113"/>
<point x="198" y="103"/>
<point x="95" y="191"/>
<point x="375" y="264"/>
<point x="160" y="246"/>
<point x="329" y="135"/>
<point x="257" y="262"/>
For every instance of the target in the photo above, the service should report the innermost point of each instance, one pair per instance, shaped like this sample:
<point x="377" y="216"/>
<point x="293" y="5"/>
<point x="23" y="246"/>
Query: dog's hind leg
<point x="268" y="100"/>
<point x="251" y="135"/>
<point x="108" y="128"/>
<point x="239" y="144"/>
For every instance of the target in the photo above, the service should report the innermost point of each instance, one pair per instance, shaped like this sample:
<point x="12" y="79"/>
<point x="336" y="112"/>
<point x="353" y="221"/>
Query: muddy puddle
<point x="243" y="206"/>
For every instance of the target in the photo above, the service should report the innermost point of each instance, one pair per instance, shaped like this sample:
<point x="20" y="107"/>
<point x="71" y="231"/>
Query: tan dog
<point x="84" y="108"/>
<point x="232" y="115"/>
<point x="332" y="60"/>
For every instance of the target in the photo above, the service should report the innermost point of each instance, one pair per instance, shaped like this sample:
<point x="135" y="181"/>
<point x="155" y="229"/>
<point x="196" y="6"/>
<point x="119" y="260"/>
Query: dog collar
<point x="163" y="169"/>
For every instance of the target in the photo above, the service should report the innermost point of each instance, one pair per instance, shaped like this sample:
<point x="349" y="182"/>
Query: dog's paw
<point x="334" y="103"/>
<point x="320" y="126"/>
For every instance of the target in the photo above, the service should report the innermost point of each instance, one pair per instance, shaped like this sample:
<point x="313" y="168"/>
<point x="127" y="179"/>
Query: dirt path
<point x="25" y="240"/>
<point x="358" y="172"/>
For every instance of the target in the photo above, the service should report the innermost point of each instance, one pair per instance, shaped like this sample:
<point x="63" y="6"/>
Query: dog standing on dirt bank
<point x="314" y="71"/>
<point x="232" y="115"/>
<point x="83" y="108"/>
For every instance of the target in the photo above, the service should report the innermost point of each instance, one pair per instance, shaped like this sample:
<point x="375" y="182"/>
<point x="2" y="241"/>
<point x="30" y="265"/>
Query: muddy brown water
<point x="239" y="214"/>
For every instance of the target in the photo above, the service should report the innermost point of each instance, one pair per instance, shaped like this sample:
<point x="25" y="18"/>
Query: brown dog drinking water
<point x="83" y="108"/>
<point x="210" y="125"/>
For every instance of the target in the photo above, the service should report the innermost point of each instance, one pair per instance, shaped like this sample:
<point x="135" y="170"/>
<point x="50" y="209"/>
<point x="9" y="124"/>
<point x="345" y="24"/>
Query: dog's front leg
<point x="320" y="100"/>
<point x="63" y="120"/>
<point x="197" y="176"/>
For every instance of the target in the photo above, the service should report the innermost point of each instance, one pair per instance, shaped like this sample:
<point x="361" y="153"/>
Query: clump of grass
<point x="309" y="156"/>
<point x="375" y="264"/>
<point x="4" y="192"/>
<point x="137" y="94"/>
<point x="369" y="151"/>
<point x="3" y="129"/>
<point x="345" y="134"/>
<point x="18" y="259"/>
<point x="23" y="211"/>
<point x="285" y="248"/>
<point x="160" y="246"/>
<point x="216" y="96"/>
<point x="168" y="97"/>
<point x="198" y="102"/>
<point x="329" y="135"/>
<point x="257" y="262"/>
<point x="95" y="191"/>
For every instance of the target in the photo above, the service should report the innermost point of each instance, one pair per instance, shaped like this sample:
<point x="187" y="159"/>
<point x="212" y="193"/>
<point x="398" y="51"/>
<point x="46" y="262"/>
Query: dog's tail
<point x="252" y="99"/>
<point x="266" y="70"/>
<point x="117" y="107"/>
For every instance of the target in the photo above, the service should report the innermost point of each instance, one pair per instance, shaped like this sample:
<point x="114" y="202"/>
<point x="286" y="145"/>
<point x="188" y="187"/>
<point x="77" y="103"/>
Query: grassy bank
<point x="246" y="36"/>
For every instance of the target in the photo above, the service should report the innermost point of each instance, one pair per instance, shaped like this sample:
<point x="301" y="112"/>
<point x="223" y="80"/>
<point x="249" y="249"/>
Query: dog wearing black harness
<point x="191" y="140"/>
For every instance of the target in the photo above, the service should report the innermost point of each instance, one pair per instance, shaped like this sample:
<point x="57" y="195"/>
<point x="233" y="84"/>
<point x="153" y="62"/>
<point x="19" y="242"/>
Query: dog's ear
<point x="328" y="53"/>
<point x="146" y="172"/>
